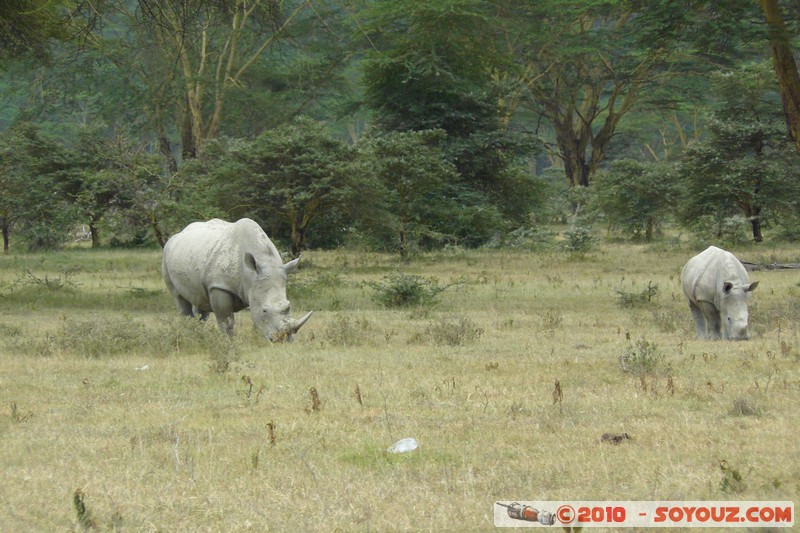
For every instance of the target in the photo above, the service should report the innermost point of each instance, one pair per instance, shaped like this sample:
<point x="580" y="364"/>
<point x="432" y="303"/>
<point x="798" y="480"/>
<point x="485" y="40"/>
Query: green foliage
<point x="107" y="179"/>
<point x="641" y="358"/>
<point x="637" y="197"/>
<point x="406" y="290"/>
<point x="432" y="71"/>
<point x="31" y="200"/>
<point x="579" y="239"/>
<point x="288" y="178"/>
<point x="531" y="236"/>
<point x="747" y="166"/>
<point x="630" y="299"/>
<point x="27" y="27"/>
<point x="413" y="172"/>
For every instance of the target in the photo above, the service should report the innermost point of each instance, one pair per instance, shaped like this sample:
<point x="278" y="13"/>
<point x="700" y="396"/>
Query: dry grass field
<point x="116" y="414"/>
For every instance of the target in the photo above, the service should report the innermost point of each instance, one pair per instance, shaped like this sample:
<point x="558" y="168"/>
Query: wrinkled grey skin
<point x="716" y="285"/>
<point x="225" y="267"/>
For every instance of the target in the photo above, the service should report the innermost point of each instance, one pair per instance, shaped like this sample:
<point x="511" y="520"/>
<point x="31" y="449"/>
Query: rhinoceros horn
<point x="294" y="324"/>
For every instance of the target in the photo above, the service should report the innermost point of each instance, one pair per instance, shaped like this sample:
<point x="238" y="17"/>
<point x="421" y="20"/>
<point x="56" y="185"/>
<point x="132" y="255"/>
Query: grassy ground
<point x="117" y="414"/>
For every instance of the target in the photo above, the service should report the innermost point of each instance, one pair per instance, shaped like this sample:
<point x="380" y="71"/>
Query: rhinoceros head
<point x="733" y="310"/>
<point x="266" y="291"/>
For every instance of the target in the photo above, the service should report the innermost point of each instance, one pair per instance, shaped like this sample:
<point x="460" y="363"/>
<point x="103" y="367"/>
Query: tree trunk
<point x="785" y="67"/>
<point x="5" y="228"/>
<point x="573" y="151"/>
<point x="298" y="240"/>
<point x="95" y="234"/>
<point x="188" y="145"/>
<point x="156" y="230"/>
<point x="755" y="223"/>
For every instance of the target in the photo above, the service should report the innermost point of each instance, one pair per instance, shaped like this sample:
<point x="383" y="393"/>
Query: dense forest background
<point x="399" y="125"/>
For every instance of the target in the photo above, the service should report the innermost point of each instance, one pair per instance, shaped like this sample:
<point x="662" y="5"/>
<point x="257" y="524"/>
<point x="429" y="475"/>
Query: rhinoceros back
<point x="704" y="274"/>
<point x="209" y="254"/>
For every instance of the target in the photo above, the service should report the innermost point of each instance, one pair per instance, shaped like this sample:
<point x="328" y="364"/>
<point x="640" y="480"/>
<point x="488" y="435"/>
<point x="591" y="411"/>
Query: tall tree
<point x="31" y="199"/>
<point x="289" y="178"/>
<point x="785" y="66"/>
<point x="429" y="68"/>
<point x="583" y="66"/>
<point x="746" y="165"/>
<point x="28" y="26"/>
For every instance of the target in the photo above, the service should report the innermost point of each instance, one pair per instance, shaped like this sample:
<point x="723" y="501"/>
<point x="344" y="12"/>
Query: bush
<point x="406" y="290"/>
<point x="636" y="299"/>
<point x="636" y="197"/>
<point x="641" y="358"/>
<point x="579" y="240"/>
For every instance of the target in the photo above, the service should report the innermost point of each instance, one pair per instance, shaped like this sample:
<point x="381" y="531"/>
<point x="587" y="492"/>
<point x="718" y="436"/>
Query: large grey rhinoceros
<point x="225" y="267"/>
<point x="716" y="285"/>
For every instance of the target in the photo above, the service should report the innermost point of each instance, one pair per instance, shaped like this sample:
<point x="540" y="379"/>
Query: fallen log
<point x="769" y="266"/>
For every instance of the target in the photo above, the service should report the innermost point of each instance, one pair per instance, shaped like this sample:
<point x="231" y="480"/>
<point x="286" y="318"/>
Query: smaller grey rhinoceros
<point x="716" y="285"/>
<point x="225" y="267"/>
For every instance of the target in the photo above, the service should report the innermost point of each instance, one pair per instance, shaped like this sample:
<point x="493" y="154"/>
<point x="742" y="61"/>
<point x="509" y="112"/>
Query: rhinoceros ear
<point x="727" y="287"/>
<point x="751" y="287"/>
<point x="291" y="266"/>
<point x="250" y="263"/>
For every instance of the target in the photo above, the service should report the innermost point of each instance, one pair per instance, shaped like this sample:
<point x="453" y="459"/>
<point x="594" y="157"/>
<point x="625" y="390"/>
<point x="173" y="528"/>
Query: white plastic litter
<point x="403" y="445"/>
<point x="143" y="368"/>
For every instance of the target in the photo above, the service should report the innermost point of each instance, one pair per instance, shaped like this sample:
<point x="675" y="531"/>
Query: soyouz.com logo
<point x="750" y="514"/>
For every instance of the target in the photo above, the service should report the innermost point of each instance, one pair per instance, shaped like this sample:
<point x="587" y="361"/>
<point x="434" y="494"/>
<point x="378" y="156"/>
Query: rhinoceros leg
<point x="712" y="317"/>
<point x="699" y="321"/>
<point x="184" y="307"/>
<point x="222" y="305"/>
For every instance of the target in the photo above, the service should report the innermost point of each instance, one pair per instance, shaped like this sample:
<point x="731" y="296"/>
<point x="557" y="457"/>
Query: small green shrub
<point x="641" y="358"/>
<point x="637" y="298"/>
<point x="406" y="290"/>
<point x="579" y="240"/>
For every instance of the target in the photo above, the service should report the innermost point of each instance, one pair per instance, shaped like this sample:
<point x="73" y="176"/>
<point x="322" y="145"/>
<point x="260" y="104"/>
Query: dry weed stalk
<point x="271" y="433"/>
<point x="316" y="404"/>
<point x="16" y="416"/>
<point x="357" y="394"/>
<point x="558" y="394"/>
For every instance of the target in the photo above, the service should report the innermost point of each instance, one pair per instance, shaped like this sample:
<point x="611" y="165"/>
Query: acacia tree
<point x="637" y="197"/>
<point x="105" y="176"/>
<point x="583" y="66"/>
<point x="288" y="178"/>
<point x="27" y="26"/>
<point x="183" y="61"/>
<point x="31" y="198"/>
<point x="416" y="176"/>
<point x="747" y="165"/>
<point x="429" y="68"/>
